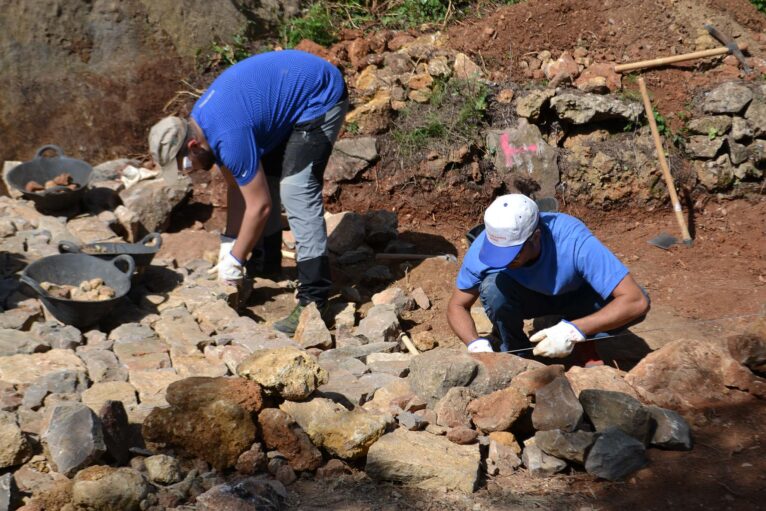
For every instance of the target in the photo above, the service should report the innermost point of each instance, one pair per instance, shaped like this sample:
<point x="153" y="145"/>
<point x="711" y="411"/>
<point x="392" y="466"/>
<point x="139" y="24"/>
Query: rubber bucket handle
<point x="51" y="147"/>
<point x="127" y="260"/>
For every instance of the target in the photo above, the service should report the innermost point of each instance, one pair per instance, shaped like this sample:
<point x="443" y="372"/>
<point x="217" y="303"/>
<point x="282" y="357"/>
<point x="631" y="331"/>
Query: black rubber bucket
<point x="474" y="233"/>
<point x="72" y="269"/>
<point x="42" y="169"/>
<point x="142" y="252"/>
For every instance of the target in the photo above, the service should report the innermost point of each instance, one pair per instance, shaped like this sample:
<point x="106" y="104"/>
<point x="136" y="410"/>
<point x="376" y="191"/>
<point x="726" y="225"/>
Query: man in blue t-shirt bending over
<point x="269" y="122"/>
<point x="528" y="264"/>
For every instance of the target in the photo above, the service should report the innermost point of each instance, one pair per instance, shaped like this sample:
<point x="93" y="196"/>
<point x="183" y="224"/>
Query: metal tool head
<point x="663" y="241"/>
<point x="450" y="258"/>
<point x="730" y="44"/>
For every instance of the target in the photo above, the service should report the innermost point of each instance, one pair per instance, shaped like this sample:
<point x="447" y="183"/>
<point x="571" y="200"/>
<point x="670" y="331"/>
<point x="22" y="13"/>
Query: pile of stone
<point x="92" y="290"/>
<point x="728" y="140"/>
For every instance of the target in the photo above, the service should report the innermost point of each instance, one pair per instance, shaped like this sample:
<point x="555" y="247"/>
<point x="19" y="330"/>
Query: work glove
<point x="230" y="269"/>
<point x="227" y="244"/>
<point x="557" y="341"/>
<point x="479" y="346"/>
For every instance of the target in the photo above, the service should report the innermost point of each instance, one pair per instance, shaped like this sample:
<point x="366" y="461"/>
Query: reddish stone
<point x="462" y="435"/>
<point x="197" y="391"/>
<point x="499" y="410"/>
<point x="529" y="381"/>
<point x="280" y="432"/>
<point x="358" y="50"/>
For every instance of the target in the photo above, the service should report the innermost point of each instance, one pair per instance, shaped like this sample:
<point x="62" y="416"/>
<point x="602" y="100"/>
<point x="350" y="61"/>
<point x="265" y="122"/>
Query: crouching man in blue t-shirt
<point x="269" y="122"/>
<point x="528" y="264"/>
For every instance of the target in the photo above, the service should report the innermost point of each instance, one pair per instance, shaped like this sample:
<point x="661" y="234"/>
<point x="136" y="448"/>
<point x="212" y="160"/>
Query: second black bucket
<point x="72" y="269"/>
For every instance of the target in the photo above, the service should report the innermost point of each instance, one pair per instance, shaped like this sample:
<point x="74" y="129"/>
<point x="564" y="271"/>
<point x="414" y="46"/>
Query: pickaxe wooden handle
<point x="643" y="64"/>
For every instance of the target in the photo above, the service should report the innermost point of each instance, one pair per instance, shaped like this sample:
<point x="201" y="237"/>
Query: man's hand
<point x="479" y="346"/>
<point x="230" y="270"/>
<point x="557" y="341"/>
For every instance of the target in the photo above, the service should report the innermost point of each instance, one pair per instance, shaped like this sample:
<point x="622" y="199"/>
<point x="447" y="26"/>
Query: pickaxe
<point x="731" y="47"/>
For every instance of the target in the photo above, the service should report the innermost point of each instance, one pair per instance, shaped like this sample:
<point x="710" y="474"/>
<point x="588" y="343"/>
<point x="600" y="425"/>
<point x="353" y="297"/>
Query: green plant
<point x="316" y="24"/>
<point x="416" y="139"/>
<point x="662" y="124"/>
<point x="759" y="4"/>
<point x="228" y="54"/>
<point x="352" y="128"/>
<point x="712" y="133"/>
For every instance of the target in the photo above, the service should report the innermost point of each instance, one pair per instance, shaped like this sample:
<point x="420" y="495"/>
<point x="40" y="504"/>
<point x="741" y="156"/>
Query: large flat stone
<point x="424" y="461"/>
<point x="28" y="368"/>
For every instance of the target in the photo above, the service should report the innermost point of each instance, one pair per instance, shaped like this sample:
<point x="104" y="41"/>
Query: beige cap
<point x="166" y="139"/>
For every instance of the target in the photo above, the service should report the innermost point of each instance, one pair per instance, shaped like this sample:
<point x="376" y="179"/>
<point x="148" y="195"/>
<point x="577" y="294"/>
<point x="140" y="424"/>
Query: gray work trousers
<point x="295" y="173"/>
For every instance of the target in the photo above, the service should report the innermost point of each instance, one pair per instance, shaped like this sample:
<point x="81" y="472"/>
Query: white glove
<point x="227" y="244"/>
<point x="557" y="341"/>
<point x="230" y="269"/>
<point x="479" y="346"/>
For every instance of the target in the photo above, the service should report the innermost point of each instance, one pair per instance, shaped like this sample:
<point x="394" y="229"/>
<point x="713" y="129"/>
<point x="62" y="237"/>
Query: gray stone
<point x="163" y="469"/>
<point x="377" y="275"/>
<point x="65" y="337"/>
<point x="582" y="108"/>
<point x="153" y="200"/>
<point x="501" y="460"/>
<point x="103" y="366"/>
<point x="97" y="395"/>
<point x="564" y="445"/>
<point x="522" y="151"/>
<point x="358" y="352"/>
<point x="116" y="430"/>
<point x="351" y="156"/>
<point x="246" y="495"/>
<point x="434" y="372"/>
<point x="727" y="98"/>
<point x="411" y="421"/>
<point x="740" y="129"/>
<point x="452" y="409"/>
<point x="716" y="174"/>
<point x="738" y="153"/>
<point x="22" y="317"/>
<point x="10" y="397"/>
<point x="345" y="388"/>
<point x="532" y="104"/>
<point x="703" y="147"/>
<point x="396" y="364"/>
<point x="9" y="494"/>
<point x="16" y="342"/>
<point x="380" y="227"/>
<point x="557" y="407"/>
<point x="312" y="331"/>
<point x="425" y="461"/>
<point x="421" y="298"/>
<point x="394" y="296"/>
<point x="356" y="256"/>
<point x="131" y="332"/>
<point x="14" y="446"/>
<point x="73" y="438"/>
<point x="606" y="408"/>
<point x="350" y="364"/>
<point x="671" y="430"/>
<point x="756" y="117"/>
<point x="757" y="152"/>
<point x="615" y="455"/>
<point x="345" y="231"/>
<point x="540" y="464"/>
<point x="59" y="382"/>
<point x="715" y="125"/>
<point x="102" y="488"/>
<point x="381" y="324"/>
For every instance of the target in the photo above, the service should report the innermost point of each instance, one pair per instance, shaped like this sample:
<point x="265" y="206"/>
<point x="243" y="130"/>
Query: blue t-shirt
<point x="570" y="257"/>
<point x="250" y="109"/>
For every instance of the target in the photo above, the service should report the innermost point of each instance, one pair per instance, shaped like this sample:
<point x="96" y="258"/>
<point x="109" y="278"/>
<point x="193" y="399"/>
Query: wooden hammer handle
<point x="663" y="162"/>
<point x="675" y="58"/>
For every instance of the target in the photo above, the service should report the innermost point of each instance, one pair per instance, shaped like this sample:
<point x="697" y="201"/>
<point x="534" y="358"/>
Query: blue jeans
<point x="508" y="304"/>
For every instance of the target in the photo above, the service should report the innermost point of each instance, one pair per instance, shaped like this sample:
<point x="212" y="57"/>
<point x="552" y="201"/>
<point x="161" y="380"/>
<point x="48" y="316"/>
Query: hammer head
<point x="730" y="44"/>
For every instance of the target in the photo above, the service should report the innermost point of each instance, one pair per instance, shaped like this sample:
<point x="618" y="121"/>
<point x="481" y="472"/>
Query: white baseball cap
<point x="167" y="138"/>
<point x="509" y="222"/>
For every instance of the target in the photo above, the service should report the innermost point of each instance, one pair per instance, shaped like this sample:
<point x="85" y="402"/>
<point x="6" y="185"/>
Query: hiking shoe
<point x="289" y="324"/>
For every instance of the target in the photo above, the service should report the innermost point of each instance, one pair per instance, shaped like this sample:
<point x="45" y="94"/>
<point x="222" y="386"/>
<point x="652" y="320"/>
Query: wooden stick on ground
<point x="408" y="344"/>
<point x="663" y="162"/>
<point x="643" y="64"/>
